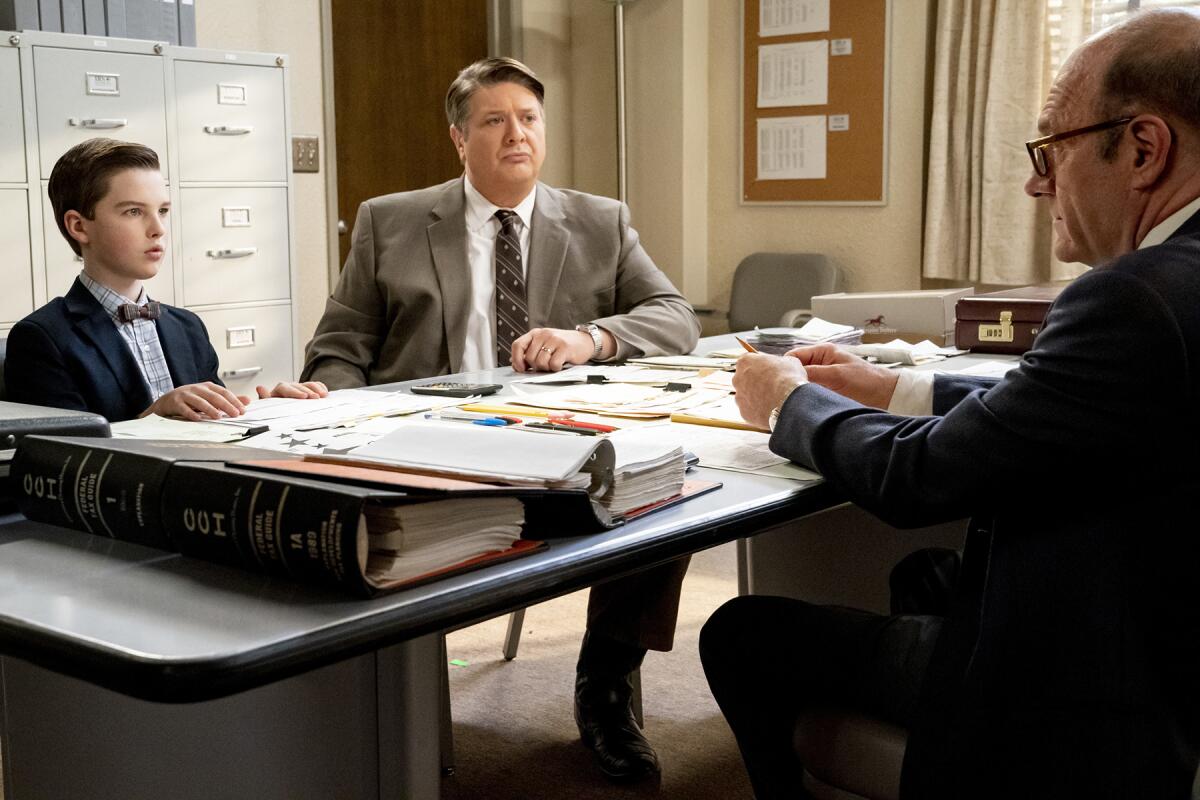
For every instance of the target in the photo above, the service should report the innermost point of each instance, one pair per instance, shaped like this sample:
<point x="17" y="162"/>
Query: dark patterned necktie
<point x="512" y="313"/>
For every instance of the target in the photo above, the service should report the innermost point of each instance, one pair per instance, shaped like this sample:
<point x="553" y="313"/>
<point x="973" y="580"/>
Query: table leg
<point x="409" y="696"/>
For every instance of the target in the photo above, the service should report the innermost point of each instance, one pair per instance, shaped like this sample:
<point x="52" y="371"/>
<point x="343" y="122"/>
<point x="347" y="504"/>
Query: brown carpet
<point x="514" y="735"/>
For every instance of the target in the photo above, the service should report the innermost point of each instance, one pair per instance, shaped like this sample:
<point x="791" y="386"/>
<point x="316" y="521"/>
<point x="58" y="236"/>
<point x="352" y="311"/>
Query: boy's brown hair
<point x="79" y="179"/>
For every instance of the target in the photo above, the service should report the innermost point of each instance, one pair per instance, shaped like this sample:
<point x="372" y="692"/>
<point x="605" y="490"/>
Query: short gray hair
<point x="1155" y="67"/>
<point x="487" y="72"/>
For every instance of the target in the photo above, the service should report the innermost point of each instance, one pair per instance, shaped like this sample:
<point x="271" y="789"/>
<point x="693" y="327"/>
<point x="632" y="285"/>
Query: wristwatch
<point x="597" y="340"/>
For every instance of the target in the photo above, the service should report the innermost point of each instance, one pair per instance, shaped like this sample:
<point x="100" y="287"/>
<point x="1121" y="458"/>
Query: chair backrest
<point x="3" y="350"/>
<point x="765" y="285"/>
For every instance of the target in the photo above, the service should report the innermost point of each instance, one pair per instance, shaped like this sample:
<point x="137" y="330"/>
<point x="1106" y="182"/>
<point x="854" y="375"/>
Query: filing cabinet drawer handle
<point x="244" y="372"/>
<point x="97" y="124"/>
<point x="228" y="130"/>
<point x="232" y="252"/>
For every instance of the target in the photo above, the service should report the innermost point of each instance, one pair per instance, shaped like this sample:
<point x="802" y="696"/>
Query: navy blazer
<point x="1070" y="665"/>
<point x="69" y="354"/>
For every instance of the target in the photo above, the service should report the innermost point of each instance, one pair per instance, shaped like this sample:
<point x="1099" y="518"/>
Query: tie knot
<point x="128" y="312"/>
<point x="508" y="219"/>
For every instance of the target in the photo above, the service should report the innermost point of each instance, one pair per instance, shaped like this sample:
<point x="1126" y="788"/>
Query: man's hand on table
<point x="763" y="382"/>
<point x="551" y="349"/>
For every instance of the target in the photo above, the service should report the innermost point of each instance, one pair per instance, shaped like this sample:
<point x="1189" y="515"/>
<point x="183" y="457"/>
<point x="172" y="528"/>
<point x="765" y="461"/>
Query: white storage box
<point x="883" y="316"/>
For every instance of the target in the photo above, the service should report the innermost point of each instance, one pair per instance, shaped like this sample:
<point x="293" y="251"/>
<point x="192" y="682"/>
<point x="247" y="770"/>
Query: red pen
<point x="592" y="426"/>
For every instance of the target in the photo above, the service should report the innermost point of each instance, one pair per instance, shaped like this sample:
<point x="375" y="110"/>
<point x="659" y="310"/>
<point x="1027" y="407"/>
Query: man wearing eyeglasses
<point x="1069" y="665"/>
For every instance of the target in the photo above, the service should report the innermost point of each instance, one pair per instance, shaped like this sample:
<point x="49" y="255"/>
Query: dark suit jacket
<point x="68" y="354"/>
<point x="400" y="308"/>
<point x="1070" y="666"/>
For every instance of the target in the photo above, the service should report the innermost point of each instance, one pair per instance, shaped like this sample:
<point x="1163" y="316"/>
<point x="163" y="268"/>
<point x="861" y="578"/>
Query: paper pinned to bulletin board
<point x="814" y="101"/>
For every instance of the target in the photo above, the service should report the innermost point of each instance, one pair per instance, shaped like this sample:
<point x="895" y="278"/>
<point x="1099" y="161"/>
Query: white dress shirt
<point x="479" y="351"/>
<point x="914" y="393"/>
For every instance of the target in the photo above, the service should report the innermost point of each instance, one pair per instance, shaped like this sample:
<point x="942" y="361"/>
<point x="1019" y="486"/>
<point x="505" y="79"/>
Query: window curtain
<point x="992" y="63"/>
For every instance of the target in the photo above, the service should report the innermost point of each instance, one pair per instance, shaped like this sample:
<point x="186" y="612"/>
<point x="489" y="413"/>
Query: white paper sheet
<point x="783" y="17"/>
<point x="988" y="369"/>
<point x="791" y="148"/>
<point x="153" y="426"/>
<point x="611" y="374"/>
<point x="793" y="74"/>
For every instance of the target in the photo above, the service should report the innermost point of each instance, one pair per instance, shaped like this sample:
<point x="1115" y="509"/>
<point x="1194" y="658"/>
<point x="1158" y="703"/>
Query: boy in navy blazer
<point x="107" y="347"/>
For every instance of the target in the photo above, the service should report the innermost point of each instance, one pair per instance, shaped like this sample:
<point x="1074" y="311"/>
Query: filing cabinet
<point x="12" y="126"/>
<point x="85" y="93"/>
<point x="234" y="243"/>
<point x="249" y="342"/>
<point x="218" y="121"/>
<point x="16" y="299"/>
<point x="230" y="122"/>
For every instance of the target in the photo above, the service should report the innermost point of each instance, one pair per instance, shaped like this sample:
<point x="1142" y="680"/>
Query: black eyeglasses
<point x="1037" y="147"/>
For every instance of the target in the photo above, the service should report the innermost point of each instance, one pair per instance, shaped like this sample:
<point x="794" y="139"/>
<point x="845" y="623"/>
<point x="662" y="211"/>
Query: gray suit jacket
<point x="400" y="308"/>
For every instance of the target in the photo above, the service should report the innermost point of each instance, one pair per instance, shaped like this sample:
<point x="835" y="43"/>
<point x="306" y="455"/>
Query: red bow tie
<point x="128" y="312"/>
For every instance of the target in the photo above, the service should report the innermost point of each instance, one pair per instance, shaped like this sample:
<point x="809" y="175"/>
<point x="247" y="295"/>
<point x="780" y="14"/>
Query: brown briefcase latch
<point x="998" y="333"/>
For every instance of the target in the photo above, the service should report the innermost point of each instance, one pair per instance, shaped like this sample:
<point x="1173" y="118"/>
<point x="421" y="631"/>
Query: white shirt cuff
<point x="914" y="394"/>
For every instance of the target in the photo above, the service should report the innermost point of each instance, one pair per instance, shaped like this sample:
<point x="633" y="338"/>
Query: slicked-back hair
<point x="80" y="177"/>
<point x="1155" y="68"/>
<point x="487" y="72"/>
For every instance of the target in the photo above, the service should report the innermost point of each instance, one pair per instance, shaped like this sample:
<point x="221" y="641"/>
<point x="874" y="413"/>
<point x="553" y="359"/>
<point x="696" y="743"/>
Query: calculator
<point x="447" y="389"/>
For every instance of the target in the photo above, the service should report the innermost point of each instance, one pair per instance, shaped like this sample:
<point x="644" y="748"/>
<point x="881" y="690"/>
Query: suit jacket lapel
<point x="547" y="252"/>
<point x="448" y="248"/>
<point x="94" y="325"/>
<point x="177" y="349"/>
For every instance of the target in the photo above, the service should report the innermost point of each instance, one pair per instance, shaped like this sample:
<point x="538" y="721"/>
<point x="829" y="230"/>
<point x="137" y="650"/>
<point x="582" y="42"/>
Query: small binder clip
<point x="677" y="387"/>
<point x="597" y="379"/>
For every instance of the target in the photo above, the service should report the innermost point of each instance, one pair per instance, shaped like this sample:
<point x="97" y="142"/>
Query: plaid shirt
<point x="141" y="336"/>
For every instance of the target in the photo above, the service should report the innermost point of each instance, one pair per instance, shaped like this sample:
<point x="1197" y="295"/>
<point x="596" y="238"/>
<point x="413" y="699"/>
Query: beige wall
<point x="879" y="247"/>
<point x="683" y="103"/>
<point x="291" y="28"/>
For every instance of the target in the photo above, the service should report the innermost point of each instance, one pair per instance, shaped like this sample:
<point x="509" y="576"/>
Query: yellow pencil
<point x="516" y="411"/>
<point x="749" y="347"/>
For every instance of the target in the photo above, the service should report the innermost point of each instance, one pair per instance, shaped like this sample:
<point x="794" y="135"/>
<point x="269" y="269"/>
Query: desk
<point x="129" y="672"/>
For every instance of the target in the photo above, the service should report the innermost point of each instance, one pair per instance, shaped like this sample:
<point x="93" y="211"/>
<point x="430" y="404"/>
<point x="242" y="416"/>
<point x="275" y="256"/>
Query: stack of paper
<point x="509" y="455"/>
<point x="604" y="373"/>
<point x="623" y="399"/>
<point x="722" y="414"/>
<point x="648" y="470"/>
<point x="815" y="331"/>
<point x="685" y="362"/>
<point x="410" y="540"/>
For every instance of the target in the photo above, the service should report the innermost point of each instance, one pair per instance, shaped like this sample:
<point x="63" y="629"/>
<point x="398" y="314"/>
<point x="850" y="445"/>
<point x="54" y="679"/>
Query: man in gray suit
<point x="495" y="268"/>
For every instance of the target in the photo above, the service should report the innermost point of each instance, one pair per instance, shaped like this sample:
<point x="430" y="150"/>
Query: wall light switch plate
<point x="305" y="154"/>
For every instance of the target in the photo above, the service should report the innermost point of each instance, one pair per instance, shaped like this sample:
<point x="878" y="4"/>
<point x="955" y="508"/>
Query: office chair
<point x="849" y="756"/>
<point x="3" y="351"/>
<point x="768" y="286"/>
<point x="846" y="755"/>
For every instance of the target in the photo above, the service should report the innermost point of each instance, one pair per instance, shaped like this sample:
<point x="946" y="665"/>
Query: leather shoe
<point x="604" y="715"/>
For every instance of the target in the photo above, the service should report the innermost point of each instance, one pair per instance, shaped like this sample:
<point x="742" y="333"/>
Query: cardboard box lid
<point x="926" y="311"/>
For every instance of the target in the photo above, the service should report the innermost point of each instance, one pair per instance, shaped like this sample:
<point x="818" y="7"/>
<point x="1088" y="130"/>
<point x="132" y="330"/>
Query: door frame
<point x="504" y="36"/>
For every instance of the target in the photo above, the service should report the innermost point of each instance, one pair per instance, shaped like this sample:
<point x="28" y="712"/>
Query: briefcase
<point x="1002" y="322"/>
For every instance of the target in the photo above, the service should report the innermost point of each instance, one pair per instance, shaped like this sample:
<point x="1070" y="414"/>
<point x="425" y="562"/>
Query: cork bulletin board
<point x="846" y="162"/>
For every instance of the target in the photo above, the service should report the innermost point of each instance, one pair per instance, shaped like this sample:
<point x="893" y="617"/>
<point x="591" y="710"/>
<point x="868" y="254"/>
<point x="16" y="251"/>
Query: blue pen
<point x="491" y="422"/>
